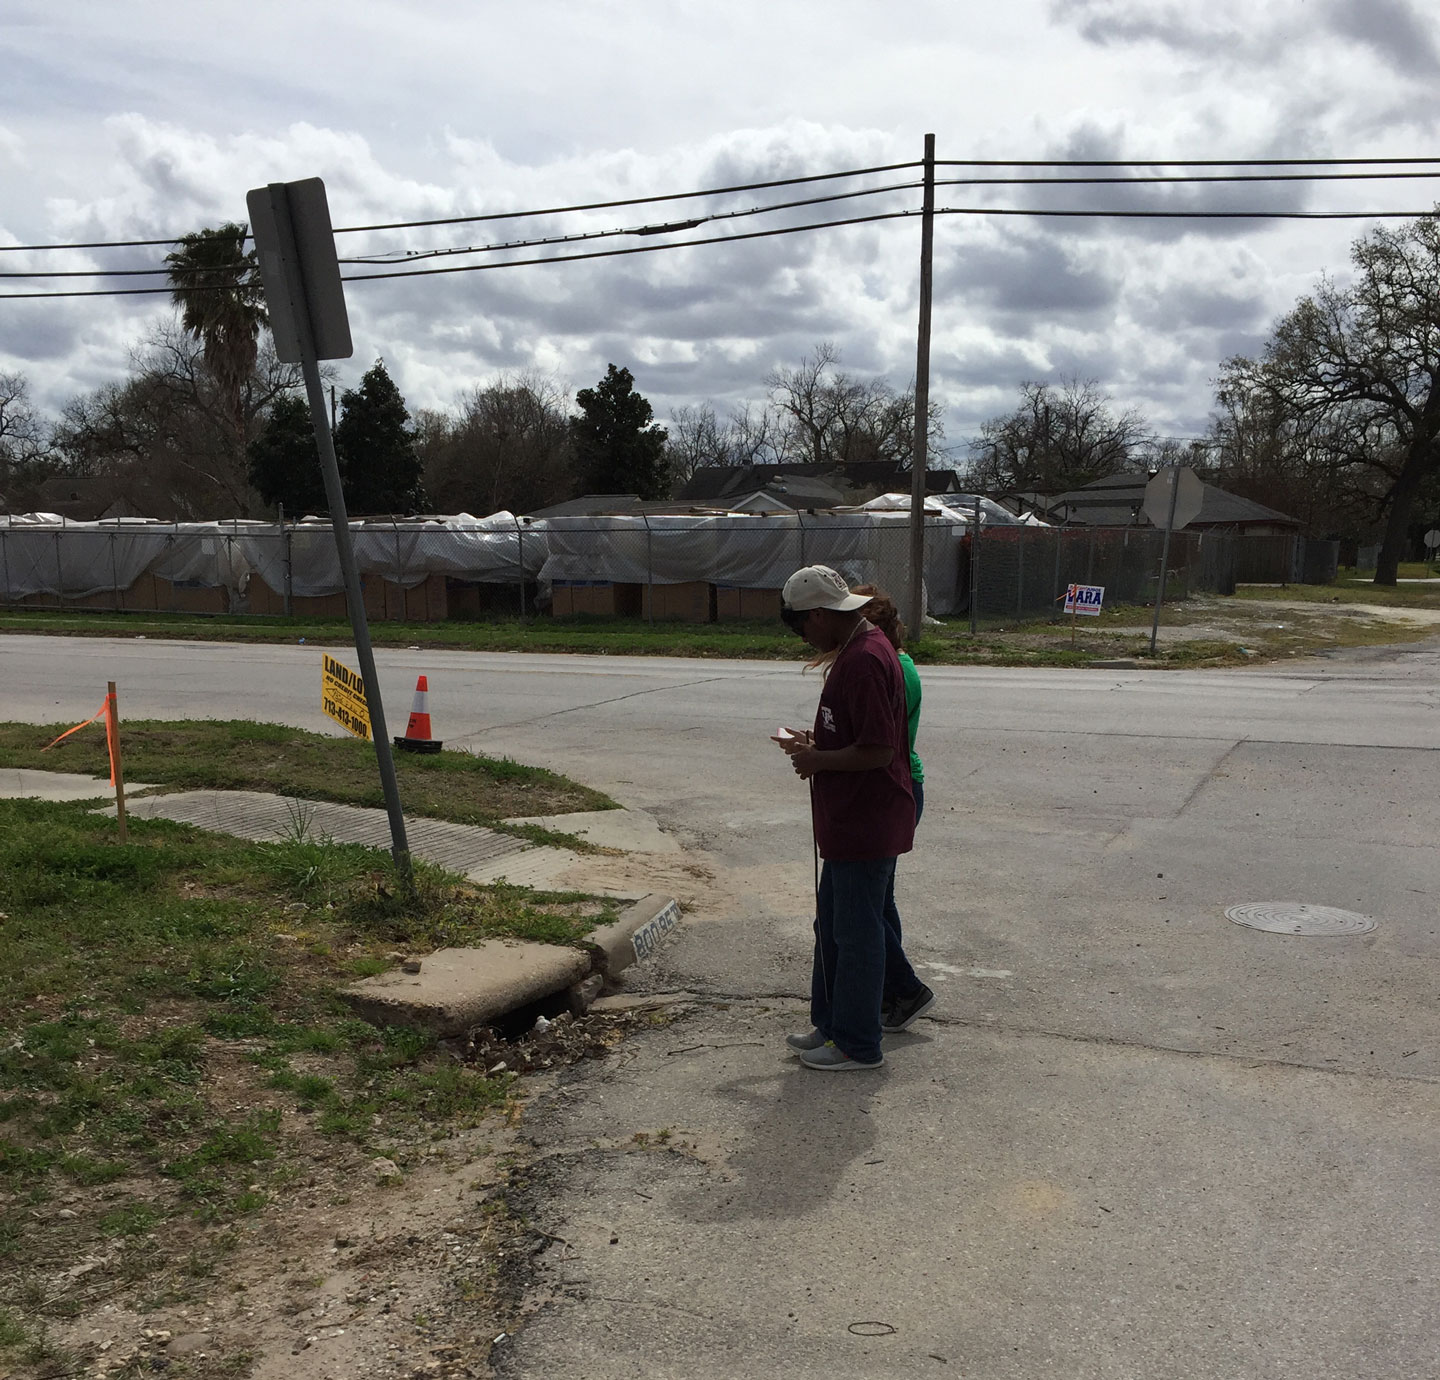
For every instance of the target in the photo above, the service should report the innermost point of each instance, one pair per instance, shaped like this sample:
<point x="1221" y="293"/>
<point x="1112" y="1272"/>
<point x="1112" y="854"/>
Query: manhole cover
<point x="1296" y="917"/>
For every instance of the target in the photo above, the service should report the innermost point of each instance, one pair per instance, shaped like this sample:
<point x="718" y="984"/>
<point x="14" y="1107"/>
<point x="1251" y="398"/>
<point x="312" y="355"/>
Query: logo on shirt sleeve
<point x="827" y="717"/>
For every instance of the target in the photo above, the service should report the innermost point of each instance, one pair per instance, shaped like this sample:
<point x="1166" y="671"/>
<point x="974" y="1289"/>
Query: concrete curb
<point x="456" y="990"/>
<point x="635" y="935"/>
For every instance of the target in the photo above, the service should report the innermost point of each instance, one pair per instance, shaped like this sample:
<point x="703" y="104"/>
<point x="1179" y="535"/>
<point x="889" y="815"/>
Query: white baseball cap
<point x="819" y="587"/>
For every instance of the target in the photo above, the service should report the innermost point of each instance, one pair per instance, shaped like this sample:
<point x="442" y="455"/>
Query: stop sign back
<point x="1189" y="495"/>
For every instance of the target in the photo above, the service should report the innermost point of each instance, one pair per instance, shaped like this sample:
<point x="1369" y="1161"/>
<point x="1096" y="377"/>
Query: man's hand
<point x="805" y="759"/>
<point x="808" y="759"/>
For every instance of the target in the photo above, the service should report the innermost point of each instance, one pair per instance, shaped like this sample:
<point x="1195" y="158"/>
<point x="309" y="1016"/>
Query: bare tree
<point x="829" y="417"/>
<point x="754" y="435"/>
<point x="507" y="447"/>
<point x="1057" y="439"/>
<point x="695" y="438"/>
<point x="26" y="456"/>
<point x="166" y="435"/>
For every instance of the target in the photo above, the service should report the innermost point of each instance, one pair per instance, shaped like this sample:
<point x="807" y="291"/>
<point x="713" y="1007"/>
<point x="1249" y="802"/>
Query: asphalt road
<point x="1137" y="1140"/>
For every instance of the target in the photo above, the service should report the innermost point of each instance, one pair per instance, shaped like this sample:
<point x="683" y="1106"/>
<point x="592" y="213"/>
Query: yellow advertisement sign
<point x="342" y="697"/>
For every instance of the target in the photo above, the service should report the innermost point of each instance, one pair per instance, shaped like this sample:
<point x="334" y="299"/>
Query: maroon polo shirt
<point x="864" y="815"/>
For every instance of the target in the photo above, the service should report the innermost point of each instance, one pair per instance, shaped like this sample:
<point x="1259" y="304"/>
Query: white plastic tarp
<point x="751" y="551"/>
<point x="756" y="551"/>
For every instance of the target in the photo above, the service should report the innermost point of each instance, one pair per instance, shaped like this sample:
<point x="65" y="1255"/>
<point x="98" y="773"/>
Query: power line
<point x="408" y="256"/>
<point x="504" y="215"/>
<point x="1092" y="214"/>
<point x="629" y="201"/>
<point x="1180" y="162"/>
<point x="94" y="244"/>
<point x="509" y="263"/>
<point x="1183" y="215"/>
<point x="1169" y="178"/>
<point x="852" y="172"/>
<point x="637" y="249"/>
<point x="1144" y="180"/>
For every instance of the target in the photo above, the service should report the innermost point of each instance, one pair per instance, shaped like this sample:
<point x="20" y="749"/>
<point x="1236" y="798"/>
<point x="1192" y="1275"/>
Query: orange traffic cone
<point x="417" y="732"/>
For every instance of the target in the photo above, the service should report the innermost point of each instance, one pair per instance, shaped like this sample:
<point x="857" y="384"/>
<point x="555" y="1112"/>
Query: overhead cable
<point x="410" y="255"/>
<point x="1179" y="162"/>
<point x="630" y="201"/>
<point x="1138" y="164"/>
<point x="1082" y="214"/>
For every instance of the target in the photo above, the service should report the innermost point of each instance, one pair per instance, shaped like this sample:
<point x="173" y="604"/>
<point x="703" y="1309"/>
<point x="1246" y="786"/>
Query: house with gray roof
<point x="1118" y="500"/>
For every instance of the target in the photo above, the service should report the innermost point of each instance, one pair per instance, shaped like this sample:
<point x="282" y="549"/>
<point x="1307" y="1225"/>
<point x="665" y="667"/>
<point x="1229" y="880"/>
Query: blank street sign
<point x="309" y="271"/>
<point x="1190" y="494"/>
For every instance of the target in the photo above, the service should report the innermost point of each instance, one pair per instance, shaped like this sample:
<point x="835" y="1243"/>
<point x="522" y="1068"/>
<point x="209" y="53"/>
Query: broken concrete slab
<point x="459" y="989"/>
<point x="635" y="935"/>
<point x="641" y="1001"/>
<point x="455" y="990"/>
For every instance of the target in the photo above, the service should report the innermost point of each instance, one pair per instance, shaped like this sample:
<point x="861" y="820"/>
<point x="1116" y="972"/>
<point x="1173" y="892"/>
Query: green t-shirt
<point x="912" y="710"/>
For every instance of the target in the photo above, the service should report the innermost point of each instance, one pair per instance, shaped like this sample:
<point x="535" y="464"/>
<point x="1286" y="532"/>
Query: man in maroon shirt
<point x="857" y="760"/>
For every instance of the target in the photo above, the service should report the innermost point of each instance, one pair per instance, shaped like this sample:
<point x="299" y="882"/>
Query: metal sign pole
<point x="1164" y="557"/>
<point x="303" y="334"/>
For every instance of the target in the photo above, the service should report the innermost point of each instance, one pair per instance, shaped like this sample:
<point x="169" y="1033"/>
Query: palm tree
<point x="215" y="281"/>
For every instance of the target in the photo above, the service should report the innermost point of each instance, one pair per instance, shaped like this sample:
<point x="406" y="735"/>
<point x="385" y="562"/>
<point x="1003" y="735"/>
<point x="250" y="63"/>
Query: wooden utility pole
<point x="920" y="455"/>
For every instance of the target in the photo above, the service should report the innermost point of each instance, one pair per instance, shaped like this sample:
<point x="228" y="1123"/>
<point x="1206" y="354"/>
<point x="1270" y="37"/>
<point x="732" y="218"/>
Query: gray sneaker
<point x="830" y="1058"/>
<point x="903" y="1012"/>
<point x="803" y="1042"/>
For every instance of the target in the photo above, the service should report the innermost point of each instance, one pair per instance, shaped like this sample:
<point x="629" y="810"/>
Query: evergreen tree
<point x="617" y="450"/>
<point x="284" y="463"/>
<point x="375" y="446"/>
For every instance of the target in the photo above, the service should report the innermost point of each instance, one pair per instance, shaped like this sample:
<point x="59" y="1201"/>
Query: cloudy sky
<point x="144" y="119"/>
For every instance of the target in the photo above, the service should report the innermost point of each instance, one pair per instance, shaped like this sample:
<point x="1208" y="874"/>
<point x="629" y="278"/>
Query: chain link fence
<point x="697" y="568"/>
<point x="1024" y="571"/>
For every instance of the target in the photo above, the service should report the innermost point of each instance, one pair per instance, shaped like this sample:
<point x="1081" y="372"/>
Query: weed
<point x="12" y="1331"/>
<point x="241" y="1144"/>
<point x="87" y="1171"/>
<point x="134" y="1219"/>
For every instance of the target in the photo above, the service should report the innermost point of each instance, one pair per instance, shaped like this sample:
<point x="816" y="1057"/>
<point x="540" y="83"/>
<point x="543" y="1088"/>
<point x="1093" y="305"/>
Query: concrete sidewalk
<point x="451" y="990"/>
<point x="480" y="854"/>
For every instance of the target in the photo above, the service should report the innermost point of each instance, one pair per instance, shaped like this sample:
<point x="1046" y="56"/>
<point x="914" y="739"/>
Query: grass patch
<point x="173" y="1057"/>
<point x="752" y="639"/>
<point x="237" y="755"/>
<point x="1243" y="637"/>
<point x="1347" y="589"/>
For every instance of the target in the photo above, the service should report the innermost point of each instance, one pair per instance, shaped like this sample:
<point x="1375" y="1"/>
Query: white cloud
<point x="421" y="111"/>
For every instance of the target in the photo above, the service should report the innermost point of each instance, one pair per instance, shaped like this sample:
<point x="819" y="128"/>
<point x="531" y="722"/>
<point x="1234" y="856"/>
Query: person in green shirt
<point x="906" y="998"/>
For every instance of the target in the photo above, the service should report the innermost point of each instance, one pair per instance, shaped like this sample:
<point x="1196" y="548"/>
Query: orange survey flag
<point x="104" y="712"/>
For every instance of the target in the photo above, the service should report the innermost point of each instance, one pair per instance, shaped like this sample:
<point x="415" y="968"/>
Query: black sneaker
<point x="903" y="1012"/>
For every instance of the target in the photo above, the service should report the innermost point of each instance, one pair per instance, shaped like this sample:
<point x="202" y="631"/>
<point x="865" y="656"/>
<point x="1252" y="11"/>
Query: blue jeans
<point x="900" y="979"/>
<point x="849" y="969"/>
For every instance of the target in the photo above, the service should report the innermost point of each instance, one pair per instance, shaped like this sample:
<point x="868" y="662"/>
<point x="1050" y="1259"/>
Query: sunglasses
<point x="795" y="619"/>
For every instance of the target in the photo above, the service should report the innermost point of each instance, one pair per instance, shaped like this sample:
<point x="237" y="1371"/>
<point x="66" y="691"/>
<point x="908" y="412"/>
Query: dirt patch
<point x="407" y="1263"/>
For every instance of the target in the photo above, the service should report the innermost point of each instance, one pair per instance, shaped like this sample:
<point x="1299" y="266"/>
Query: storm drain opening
<point x="1299" y="917"/>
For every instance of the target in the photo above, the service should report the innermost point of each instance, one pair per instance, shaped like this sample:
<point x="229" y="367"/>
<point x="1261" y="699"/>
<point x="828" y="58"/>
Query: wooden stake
<point x="112" y="738"/>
